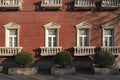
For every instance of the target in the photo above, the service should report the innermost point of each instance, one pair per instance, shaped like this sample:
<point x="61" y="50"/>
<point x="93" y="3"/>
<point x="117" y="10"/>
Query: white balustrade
<point x="51" y="3"/>
<point x="84" y="51"/>
<point x="90" y="3"/>
<point x="84" y="3"/>
<point x="11" y="3"/>
<point x="49" y="51"/>
<point x="9" y="51"/>
<point x="115" y="50"/>
<point x="110" y="3"/>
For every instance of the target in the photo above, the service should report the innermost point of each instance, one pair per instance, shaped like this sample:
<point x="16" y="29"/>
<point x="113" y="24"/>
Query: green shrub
<point x="24" y="58"/>
<point x="103" y="59"/>
<point x="63" y="59"/>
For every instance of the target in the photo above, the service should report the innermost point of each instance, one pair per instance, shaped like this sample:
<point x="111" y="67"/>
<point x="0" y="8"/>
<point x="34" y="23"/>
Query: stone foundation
<point x="105" y="71"/>
<point x="61" y="71"/>
<point x="22" y="71"/>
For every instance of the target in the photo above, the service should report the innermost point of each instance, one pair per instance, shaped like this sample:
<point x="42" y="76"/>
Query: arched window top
<point x="51" y="25"/>
<point x="11" y="25"/>
<point x="108" y="25"/>
<point x="83" y="25"/>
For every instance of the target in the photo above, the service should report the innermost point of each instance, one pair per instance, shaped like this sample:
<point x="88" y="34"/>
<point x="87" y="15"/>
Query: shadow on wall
<point x="8" y="62"/>
<point x="70" y="50"/>
<point x="37" y="52"/>
<point x="70" y="6"/>
<point x="38" y="6"/>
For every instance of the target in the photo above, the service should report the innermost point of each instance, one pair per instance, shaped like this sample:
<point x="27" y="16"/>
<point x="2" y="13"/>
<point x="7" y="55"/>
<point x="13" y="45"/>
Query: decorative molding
<point x="108" y="25"/>
<point x="11" y="25"/>
<point x="83" y="25"/>
<point x="51" y="25"/>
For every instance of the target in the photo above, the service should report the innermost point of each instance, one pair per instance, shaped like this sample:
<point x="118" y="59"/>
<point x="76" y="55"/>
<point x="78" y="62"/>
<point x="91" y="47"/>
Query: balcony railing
<point x="9" y="51"/>
<point x="110" y="3"/>
<point x="84" y="3"/>
<point x="11" y="4"/>
<point x="84" y="51"/>
<point x="51" y="3"/>
<point x="49" y="51"/>
<point x="90" y="3"/>
<point x="115" y="50"/>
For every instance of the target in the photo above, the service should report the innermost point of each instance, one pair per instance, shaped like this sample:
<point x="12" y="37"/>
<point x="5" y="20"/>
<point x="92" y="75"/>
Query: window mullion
<point x="52" y="41"/>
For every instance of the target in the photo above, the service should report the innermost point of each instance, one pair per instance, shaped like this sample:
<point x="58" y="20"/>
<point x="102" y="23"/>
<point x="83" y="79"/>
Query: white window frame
<point x="51" y="25"/>
<point x="108" y="26"/>
<point x="13" y="38"/>
<point x="83" y="37"/>
<point x="83" y="25"/>
<point x="8" y="27"/>
<point x="108" y="36"/>
<point x="52" y="36"/>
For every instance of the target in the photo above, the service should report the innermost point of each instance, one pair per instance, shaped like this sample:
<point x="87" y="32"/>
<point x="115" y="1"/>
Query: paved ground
<point x="46" y="76"/>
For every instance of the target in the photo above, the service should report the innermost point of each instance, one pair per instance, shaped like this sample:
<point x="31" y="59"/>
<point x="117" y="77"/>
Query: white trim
<point x="51" y="25"/>
<point x="111" y="26"/>
<point x="7" y="27"/>
<point x="108" y="36"/>
<point x="83" y="25"/>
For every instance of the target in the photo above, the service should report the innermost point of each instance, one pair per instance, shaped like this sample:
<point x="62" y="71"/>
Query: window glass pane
<point x="49" y="38"/>
<point x="80" y="41"/>
<point x="108" y="32"/>
<point x="85" y="41"/>
<point x="15" y="44"/>
<point x="109" y="37"/>
<point x="13" y="38"/>
<point x="106" y="41"/>
<point x="10" y="44"/>
<point x="83" y="32"/>
<point x="13" y="32"/>
<point x="110" y="41"/>
<point x="54" y="39"/>
<point x="83" y="37"/>
<point x="49" y="41"/>
<point x="52" y="32"/>
<point x="54" y="44"/>
<point x="15" y="41"/>
<point x="49" y="44"/>
<point x="10" y="41"/>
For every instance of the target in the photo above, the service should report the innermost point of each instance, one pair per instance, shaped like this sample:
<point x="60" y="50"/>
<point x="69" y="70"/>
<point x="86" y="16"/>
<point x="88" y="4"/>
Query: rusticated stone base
<point x="61" y="71"/>
<point x="1" y="68"/>
<point x="105" y="71"/>
<point x="22" y="71"/>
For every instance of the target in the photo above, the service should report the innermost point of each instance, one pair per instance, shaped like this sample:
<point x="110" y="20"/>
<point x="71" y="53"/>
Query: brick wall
<point x="32" y="34"/>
